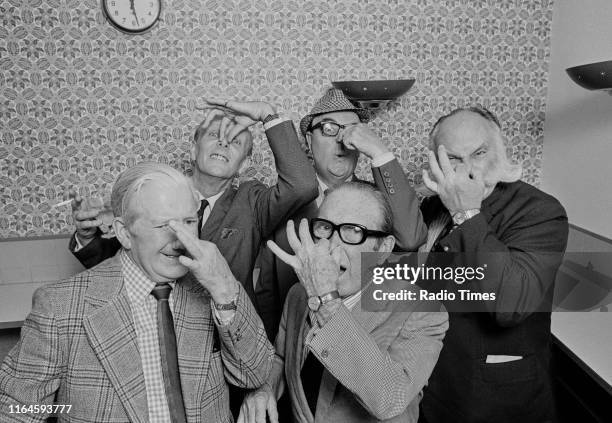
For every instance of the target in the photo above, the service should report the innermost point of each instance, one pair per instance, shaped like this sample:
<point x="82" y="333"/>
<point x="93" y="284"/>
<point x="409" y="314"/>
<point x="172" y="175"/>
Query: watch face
<point x="314" y="303"/>
<point x="133" y="16"/>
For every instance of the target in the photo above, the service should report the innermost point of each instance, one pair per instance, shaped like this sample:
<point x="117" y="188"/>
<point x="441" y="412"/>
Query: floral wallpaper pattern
<point x="81" y="101"/>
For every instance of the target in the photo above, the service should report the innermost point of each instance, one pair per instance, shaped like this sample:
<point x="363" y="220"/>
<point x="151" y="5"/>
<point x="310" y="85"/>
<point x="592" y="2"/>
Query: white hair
<point x="130" y="182"/>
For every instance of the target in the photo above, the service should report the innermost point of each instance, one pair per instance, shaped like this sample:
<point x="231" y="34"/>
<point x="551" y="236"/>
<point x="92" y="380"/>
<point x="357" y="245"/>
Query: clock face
<point x="133" y="16"/>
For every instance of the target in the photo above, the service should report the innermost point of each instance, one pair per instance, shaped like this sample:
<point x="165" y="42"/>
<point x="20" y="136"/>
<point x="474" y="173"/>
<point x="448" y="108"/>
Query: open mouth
<point x="176" y="253"/>
<point x="342" y="269"/>
<point x="219" y="157"/>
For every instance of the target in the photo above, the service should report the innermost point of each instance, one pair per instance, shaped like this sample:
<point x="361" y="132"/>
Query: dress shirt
<point x="211" y="203"/>
<point x="144" y="311"/>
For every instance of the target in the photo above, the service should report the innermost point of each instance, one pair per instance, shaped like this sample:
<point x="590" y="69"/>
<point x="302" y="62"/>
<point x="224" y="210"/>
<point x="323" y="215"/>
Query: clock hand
<point x="134" y="11"/>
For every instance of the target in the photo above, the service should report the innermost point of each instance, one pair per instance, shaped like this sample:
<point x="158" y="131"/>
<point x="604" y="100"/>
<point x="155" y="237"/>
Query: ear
<point x="386" y="245"/>
<point x="122" y="233"/>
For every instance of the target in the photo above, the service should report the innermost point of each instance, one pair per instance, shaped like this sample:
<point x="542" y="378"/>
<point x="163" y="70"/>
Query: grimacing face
<point x="468" y="139"/>
<point x="353" y="206"/>
<point x="216" y="157"/>
<point x="332" y="161"/>
<point x="149" y="241"/>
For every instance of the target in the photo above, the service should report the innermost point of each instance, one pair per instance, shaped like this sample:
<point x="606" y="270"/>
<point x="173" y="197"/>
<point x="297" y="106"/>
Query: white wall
<point x="577" y="154"/>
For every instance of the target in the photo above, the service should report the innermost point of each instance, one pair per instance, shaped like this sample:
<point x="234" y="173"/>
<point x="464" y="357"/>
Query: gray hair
<point x="386" y="224"/>
<point x="130" y="182"/>
<point x="506" y="170"/>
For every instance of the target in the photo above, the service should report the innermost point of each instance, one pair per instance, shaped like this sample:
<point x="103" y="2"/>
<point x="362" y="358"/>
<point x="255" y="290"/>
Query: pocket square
<point x="496" y="359"/>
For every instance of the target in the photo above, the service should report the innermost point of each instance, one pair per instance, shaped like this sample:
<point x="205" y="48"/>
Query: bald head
<point x="473" y="138"/>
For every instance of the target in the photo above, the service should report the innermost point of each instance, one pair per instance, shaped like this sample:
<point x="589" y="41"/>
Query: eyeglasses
<point x="350" y="233"/>
<point x="330" y="129"/>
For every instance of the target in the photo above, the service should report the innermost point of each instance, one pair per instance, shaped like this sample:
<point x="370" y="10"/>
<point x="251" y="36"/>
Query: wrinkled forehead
<point x="464" y="132"/>
<point x="352" y="206"/>
<point x="342" y="117"/>
<point x="162" y="196"/>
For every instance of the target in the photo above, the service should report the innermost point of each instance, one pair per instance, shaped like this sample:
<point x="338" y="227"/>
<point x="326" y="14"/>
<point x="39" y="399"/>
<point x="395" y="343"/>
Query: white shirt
<point x="211" y="203"/>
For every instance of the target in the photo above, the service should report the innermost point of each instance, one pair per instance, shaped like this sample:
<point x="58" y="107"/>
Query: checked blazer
<point x="376" y="362"/>
<point x="79" y="343"/>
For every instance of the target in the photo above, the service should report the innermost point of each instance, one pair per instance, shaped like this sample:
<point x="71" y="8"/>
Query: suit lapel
<point x="212" y="227"/>
<point x="109" y="326"/>
<point x="194" y="332"/>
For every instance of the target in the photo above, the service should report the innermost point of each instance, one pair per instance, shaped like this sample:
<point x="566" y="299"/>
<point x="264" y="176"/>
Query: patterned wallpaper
<point x="80" y="101"/>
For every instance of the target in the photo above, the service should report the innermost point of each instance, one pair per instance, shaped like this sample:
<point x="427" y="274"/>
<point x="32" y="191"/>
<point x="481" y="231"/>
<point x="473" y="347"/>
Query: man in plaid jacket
<point x="338" y="361"/>
<point x="91" y="342"/>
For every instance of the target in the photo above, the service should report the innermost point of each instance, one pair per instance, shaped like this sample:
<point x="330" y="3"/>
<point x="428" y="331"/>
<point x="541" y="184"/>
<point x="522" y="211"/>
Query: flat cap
<point x="334" y="100"/>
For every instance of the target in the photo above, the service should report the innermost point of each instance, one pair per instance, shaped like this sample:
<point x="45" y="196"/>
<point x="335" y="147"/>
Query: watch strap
<point x="462" y="215"/>
<point x="225" y="307"/>
<point x="330" y="296"/>
<point x="270" y="118"/>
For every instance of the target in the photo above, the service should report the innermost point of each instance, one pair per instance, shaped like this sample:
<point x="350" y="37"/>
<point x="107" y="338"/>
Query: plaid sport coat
<point x="79" y="343"/>
<point x="376" y="362"/>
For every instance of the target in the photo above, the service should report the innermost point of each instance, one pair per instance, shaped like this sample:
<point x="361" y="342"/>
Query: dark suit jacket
<point x="79" y="341"/>
<point x="376" y="362"/>
<point x="276" y="277"/>
<point x="529" y="230"/>
<point x="242" y="217"/>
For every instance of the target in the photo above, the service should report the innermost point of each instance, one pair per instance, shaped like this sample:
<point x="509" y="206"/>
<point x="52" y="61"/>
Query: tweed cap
<point x="334" y="100"/>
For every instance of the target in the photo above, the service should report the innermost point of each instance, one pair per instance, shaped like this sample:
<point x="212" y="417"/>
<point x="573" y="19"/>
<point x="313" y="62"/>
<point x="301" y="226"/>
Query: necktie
<point x="168" y="353"/>
<point x="203" y="206"/>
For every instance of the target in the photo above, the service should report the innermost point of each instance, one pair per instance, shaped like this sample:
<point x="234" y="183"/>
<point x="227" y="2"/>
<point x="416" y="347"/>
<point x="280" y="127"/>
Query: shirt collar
<point x="137" y="284"/>
<point x="211" y="200"/>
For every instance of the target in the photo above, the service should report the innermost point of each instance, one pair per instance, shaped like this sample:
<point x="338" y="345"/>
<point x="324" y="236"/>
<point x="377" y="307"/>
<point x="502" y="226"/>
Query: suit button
<point x="324" y="354"/>
<point x="392" y="191"/>
<point x="385" y="173"/>
<point x="445" y="248"/>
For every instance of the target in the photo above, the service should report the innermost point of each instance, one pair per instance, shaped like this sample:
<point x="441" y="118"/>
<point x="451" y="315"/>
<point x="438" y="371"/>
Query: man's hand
<point x="313" y="263"/>
<point x="256" y="405"/>
<point x="458" y="190"/>
<point x="238" y="115"/>
<point x="207" y="265"/>
<point x="362" y="138"/>
<point x="85" y="219"/>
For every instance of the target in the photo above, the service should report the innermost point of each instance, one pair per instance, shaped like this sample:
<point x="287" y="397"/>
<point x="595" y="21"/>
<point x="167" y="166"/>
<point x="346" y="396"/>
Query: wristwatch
<point x="225" y="307"/>
<point x="462" y="215"/>
<point x="315" y="302"/>
<point x="270" y="118"/>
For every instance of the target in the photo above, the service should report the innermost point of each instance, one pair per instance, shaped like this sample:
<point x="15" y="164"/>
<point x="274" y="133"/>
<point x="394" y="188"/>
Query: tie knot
<point x="161" y="291"/>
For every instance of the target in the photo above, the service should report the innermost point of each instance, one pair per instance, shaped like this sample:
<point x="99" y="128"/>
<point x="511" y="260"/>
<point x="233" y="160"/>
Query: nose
<point x="222" y="142"/>
<point x="335" y="240"/>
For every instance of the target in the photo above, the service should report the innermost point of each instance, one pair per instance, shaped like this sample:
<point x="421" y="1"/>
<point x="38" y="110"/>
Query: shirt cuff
<point x="275" y="122"/>
<point x="382" y="159"/>
<point x="223" y="317"/>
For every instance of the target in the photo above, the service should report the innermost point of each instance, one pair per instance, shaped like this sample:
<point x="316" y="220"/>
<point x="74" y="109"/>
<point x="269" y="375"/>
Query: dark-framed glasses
<point x="350" y="233"/>
<point x="329" y="128"/>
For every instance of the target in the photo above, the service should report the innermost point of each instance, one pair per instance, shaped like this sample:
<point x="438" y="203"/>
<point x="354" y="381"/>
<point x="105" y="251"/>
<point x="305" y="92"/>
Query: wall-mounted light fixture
<point x="594" y="76"/>
<point x="373" y="95"/>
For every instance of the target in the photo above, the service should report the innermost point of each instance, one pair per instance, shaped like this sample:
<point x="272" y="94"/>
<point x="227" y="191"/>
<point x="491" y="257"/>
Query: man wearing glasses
<point x="336" y="361"/>
<point x="336" y="133"/>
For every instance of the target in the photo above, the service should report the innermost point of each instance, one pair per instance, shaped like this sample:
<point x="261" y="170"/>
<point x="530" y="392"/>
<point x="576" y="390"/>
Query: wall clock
<point x="132" y="16"/>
